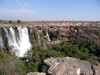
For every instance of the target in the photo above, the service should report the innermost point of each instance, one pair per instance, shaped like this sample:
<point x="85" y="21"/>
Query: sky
<point x="50" y="10"/>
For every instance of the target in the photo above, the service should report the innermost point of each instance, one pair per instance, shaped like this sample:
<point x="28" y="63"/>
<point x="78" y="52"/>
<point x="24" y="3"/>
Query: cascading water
<point x="19" y="44"/>
<point x="1" y="40"/>
<point x="1" y="43"/>
<point x="38" y="37"/>
<point x="24" y="43"/>
<point x="47" y="34"/>
<point x="17" y="38"/>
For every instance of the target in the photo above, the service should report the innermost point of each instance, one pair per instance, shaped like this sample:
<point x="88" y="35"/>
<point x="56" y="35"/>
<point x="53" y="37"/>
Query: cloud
<point x="22" y="14"/>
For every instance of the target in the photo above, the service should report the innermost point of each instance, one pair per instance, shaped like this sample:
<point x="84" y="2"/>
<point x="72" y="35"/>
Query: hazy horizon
<point x="49" y="10"/>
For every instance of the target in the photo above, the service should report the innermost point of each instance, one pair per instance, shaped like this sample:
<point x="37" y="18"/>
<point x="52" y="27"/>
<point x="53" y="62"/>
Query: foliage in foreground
<point x="11" y="65"/>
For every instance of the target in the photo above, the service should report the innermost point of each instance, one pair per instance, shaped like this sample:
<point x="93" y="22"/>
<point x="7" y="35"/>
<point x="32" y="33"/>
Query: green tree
<point x="10" y="21"/>
<point x="54" y="34"/>
<point x="18" y="21"/>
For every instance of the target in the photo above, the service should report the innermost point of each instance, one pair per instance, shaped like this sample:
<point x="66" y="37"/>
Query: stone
<point x="70" y="66"/>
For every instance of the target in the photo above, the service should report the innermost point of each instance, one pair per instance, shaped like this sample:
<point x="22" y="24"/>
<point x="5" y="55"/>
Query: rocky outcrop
<point x="51" y="43"/>
<point x="36" y="73"/>
<point x="70" y="66"/>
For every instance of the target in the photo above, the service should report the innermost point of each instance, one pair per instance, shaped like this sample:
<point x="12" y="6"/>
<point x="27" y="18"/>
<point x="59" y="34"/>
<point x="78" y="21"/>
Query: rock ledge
<point x="70" y="66"/>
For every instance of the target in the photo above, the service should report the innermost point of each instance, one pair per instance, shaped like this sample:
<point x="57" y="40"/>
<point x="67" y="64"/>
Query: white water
<point x="18" y="40"/>
<point x="1" y="43"/>
<point x="47" y="34"/>
<point x="38" y="37"/>
<point x="19" y="44"/>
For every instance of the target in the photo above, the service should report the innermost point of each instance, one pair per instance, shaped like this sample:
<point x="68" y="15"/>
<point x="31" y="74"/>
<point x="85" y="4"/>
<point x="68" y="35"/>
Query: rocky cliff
<point x="70" y="66"/>
<point x="15" y="36"/>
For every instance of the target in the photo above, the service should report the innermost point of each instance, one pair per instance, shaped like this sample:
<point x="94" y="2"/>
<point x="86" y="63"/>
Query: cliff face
<point x="87" y="32"/>
<point x="14" y="36"/>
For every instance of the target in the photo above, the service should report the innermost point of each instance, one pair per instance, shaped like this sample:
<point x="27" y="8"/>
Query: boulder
<point x="35" y="73"/>
<point x="70" y="66"/>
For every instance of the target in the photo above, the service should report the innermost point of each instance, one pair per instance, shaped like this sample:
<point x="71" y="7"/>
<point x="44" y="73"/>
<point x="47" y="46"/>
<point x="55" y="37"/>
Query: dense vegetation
<point x="11" y="65"/>
<point x="81" y="48"/>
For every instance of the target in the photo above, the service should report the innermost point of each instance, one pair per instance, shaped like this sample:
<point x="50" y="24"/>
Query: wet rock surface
<point x="70" y="66"/>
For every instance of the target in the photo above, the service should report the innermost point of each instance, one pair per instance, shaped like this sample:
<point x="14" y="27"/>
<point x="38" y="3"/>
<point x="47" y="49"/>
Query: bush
<point x="43" y="68"/>
<point x="54" y="35"/>
<point x="10" y="65"/>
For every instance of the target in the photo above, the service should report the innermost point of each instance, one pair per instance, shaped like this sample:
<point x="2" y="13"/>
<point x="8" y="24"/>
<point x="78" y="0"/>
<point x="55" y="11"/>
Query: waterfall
<point x="19" y="44"/>
<point x="1" y="43"/>
<point x="24" y="43"/>
<point x="17" y="38"/>
<point x="47" y="34"/>
<point x="38" y="37"/>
